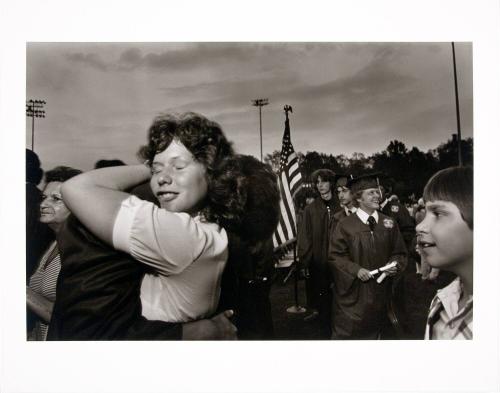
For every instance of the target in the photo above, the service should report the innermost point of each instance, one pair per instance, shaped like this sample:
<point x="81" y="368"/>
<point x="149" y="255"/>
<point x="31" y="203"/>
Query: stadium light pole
<point x="457" y="105"/>
<point x="260" y="102"/>
<point x="34" y="108"/>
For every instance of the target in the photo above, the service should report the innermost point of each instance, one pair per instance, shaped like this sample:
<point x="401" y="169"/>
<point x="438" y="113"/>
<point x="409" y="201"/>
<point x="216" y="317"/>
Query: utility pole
<point x="260" y="102"/>
<point x="457" y="105"/>
<point x="34" y="108"/>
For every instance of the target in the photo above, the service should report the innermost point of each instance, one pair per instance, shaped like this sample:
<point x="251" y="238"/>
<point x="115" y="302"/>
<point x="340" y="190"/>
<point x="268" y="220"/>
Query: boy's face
<point x="369" y="200"/>
<point x="344" y="195"/>
<point x="444" y="238"/>
<point x="323" y="186"/>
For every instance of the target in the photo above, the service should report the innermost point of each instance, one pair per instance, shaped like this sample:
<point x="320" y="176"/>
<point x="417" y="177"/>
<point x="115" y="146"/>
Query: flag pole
<point x="457" y="107"/>
<point x="296" y="308"/>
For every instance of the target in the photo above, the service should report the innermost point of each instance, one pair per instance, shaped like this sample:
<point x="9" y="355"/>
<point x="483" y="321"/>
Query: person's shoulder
<point x="339" y="214"/>
<point x="349" y="223"/>
<point x="313" y="205"/>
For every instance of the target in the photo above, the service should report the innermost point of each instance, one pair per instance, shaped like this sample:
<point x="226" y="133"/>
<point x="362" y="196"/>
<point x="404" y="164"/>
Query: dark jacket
<point x="245" y="286"/>
<point x="405" y="221"/>
<point x="314" y="235"/>
<point x="98" y="293"/>
<point x="359" y="308"/>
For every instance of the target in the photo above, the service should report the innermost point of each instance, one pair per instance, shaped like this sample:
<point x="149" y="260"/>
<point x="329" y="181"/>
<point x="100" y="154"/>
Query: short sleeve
<point x="168" y="242"/>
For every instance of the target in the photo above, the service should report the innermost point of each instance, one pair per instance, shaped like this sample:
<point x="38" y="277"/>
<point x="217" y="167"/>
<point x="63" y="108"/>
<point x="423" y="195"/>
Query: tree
<point x="447" y="152"/>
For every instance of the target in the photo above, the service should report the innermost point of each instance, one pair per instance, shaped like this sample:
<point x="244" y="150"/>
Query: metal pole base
<point x="296" y="310"/>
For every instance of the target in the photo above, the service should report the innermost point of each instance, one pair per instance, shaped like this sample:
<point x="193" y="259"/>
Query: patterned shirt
<point x="446" y="321"/>
<point x="43" y="282"/>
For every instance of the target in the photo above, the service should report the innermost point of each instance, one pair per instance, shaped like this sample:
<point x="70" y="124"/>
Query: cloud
<point x="191" y="56"/>
<point x="92" y="59"/>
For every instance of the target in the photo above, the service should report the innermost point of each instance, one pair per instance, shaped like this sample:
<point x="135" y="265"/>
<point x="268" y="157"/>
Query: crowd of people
<point x="180" y="247"/>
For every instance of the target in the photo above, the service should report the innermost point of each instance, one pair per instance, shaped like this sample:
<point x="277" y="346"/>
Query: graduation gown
<point x="401" y="215"/>
<point x="359" y="308"/>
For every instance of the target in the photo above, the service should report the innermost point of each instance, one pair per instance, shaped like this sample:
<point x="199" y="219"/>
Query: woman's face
<point x="444" y="238"/>
<point x="178" y="181"/>
<point x="52" y="209"/>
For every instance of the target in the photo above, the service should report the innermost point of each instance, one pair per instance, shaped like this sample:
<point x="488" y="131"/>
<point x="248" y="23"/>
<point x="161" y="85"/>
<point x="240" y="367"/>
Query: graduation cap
<point x="364" y="182"/>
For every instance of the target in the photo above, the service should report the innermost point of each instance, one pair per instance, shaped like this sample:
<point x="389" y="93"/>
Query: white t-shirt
<point x="188" y="253"/>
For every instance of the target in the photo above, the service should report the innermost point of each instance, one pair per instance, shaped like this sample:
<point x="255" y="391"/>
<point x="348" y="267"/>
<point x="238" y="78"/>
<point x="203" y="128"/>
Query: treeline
<point x="410" y="168"/>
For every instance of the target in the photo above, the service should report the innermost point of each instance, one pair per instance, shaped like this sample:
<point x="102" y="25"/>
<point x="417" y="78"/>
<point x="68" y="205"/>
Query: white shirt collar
<point x="450" y="296"/>
<point x="363" y="216"/>
<point x="352" y="210"/>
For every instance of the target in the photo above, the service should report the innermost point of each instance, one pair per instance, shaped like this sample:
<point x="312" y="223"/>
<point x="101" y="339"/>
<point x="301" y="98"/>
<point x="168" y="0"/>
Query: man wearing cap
<point x="313" y="241"/>
<point x="345" y="198"/>
<point x="362" y="243"/>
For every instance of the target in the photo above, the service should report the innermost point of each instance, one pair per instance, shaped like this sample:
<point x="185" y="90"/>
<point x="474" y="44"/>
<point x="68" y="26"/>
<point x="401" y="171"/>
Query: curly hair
<point x="325" y="174"/>
<point x="61" y="174"/>
<point x="244" y="198"/>
<point x="454" y="184"/>
<point x="202" y="137"/>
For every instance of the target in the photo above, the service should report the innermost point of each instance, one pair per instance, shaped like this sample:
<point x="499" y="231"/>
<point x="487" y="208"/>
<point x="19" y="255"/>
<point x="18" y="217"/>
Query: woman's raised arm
<point x="95" y="197"/>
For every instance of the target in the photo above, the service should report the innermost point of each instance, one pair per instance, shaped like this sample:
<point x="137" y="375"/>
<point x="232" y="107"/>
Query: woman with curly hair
<point x="184" y="241"/>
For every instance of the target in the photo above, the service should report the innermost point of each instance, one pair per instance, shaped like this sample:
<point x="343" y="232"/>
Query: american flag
<point x="289" y="181"/>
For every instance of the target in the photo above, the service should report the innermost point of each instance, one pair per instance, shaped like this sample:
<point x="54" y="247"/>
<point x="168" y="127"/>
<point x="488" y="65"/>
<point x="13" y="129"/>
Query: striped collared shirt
<point x="446" y="321"/>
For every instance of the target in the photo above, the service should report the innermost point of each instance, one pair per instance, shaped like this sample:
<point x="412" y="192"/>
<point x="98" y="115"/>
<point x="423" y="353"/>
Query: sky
<point x="346" y="97"/>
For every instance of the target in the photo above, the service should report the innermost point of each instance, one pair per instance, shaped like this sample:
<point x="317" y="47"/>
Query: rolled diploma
<point x="384" y="268"/>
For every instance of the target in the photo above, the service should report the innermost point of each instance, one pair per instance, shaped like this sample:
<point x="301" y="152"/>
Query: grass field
<point x="288" y="326"/>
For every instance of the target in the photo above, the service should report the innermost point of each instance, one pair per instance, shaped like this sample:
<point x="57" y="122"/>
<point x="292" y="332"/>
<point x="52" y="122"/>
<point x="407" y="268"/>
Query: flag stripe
<point x="289" y="181"/>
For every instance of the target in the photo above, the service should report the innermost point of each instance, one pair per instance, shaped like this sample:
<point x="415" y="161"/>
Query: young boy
<point x="445" y="241"/>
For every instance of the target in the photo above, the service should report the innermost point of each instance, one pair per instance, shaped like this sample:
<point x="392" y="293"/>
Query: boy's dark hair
<point x="202" y="137"/>
<point x="244" y="198"/>
<point x="61" y="174"/>
<point x="454" y="184"/>
<point x="108" y="163"/>
<point x="34" y="172"/>
<point x="325" y="174"/>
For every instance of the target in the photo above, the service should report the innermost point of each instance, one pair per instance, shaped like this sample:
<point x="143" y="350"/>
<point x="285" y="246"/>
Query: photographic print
<point x="339" y="111"/>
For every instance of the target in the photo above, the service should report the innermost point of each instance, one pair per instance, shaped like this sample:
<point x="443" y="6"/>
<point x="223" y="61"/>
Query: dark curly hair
<point x="61" y="174"/>
<point x="325" y="174"/>
<point x="202" y="137"/>
<point x="244" y="198"/>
